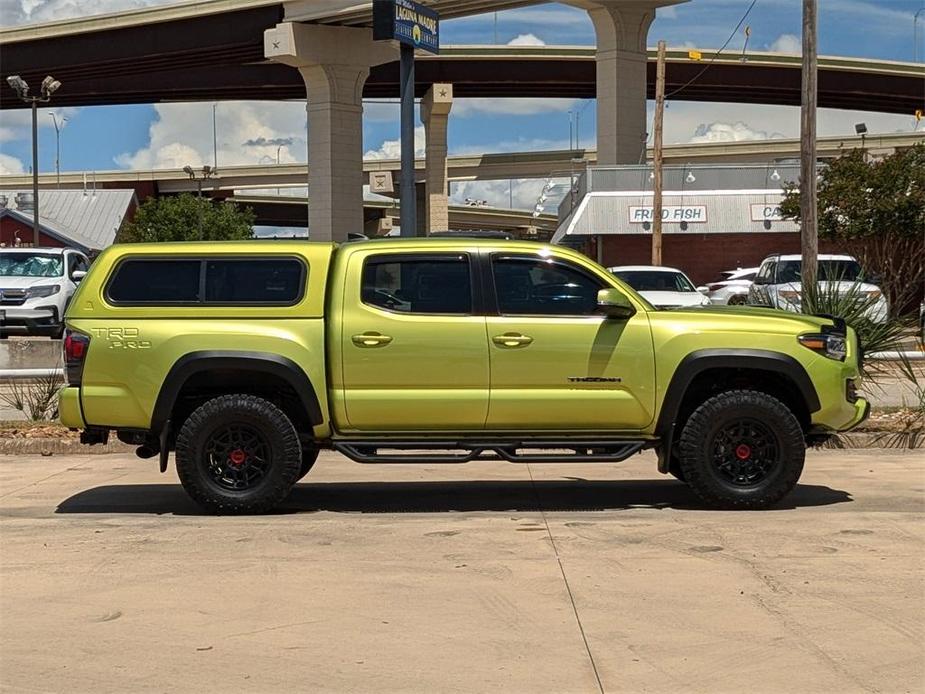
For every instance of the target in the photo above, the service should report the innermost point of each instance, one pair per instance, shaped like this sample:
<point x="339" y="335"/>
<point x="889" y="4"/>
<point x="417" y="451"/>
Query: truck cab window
<point x="409" y="284"/>
<point x="533" y="286"/>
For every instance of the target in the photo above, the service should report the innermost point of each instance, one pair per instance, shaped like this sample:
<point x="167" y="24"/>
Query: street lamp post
<point x="49" y="86"/>
<point x="915" y="34"/>
<point x="58" y="147"/>
<point x="207" y="173"/>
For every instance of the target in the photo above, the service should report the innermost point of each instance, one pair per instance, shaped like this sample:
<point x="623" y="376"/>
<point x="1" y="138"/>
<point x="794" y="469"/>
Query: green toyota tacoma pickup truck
<point x="248" y="358"/>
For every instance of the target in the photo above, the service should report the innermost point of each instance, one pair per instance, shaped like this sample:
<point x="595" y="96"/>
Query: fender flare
<point x="261" y="362"/>
<point x="697" y="362"/>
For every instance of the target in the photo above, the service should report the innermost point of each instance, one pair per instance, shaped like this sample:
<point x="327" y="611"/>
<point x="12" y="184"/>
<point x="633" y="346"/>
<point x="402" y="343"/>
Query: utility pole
<point x="657" y="156"/>
<point x="408" y="191"/>
<point x="214" y="138"/>
<point x="809" y="238"/>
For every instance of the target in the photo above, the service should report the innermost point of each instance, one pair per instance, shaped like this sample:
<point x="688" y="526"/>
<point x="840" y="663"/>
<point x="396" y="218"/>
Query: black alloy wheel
<point x="745" y="452"/>
<point x="238" y="454"/>
<point x="742" y="449"/>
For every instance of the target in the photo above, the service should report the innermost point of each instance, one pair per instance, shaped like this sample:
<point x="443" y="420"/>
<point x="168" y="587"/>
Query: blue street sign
<point x="407" y="22"/>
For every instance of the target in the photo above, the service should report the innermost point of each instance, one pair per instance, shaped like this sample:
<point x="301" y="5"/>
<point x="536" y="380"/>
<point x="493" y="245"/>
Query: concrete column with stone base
<point x="622" y="29"/>
<point x="334" y="63"/>
<point x="435" y="114"/>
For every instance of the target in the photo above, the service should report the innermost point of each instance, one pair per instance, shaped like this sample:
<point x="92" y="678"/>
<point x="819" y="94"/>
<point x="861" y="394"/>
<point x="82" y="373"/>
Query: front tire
<point x="742" y="450"/>
<point x="238" y="454"/>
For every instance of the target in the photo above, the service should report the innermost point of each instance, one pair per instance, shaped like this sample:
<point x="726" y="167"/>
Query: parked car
<point x="248" y="357"/>
<point x="663" y="287"/>
<point x="36" y="286"/>
<point x="778" y="283"/>
<point x="732" y="289"/>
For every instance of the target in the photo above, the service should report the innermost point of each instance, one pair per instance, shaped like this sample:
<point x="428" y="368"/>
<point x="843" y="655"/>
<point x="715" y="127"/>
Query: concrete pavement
<point x="484" y="577"/>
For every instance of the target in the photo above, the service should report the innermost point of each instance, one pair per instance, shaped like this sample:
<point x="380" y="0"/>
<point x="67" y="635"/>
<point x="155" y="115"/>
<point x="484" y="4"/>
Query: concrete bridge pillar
<point x="334" y="62"/>
<point x="435" y="113"/>
<point x="622" y="29"/>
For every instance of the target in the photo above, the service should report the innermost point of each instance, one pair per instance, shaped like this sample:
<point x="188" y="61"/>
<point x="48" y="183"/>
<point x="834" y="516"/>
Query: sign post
<point x="414" y="26"/>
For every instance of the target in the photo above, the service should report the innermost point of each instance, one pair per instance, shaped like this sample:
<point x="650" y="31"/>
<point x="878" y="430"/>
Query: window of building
<point x="418" y="284"/>
<point x="533" y="286"/>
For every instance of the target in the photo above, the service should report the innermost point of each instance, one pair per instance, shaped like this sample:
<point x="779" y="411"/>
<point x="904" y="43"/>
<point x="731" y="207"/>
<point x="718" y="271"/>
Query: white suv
<point x="36" y="285"/>
<point x="778" y="283"/>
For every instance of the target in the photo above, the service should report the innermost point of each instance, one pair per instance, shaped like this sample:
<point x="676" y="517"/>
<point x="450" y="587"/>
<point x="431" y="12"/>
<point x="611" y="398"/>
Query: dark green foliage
<point x="874" y="209"/>
<point x="188" y="218"/>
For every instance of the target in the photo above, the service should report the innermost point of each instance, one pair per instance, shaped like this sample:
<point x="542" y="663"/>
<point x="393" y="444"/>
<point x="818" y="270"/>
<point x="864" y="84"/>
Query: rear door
<point x="414" y="352"/>
<point x="556" y="364"/>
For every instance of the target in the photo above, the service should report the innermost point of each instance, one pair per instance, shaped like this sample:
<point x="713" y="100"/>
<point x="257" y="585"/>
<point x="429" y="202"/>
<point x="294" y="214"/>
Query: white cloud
<point x="683" y="119"/>
<point x="729" y="132"/>
<point x="16" y="124"/>
<point x="391" y="149"/>
<point x="511" y="106"/>
<point x="247" y="133"/>
<point x="669" y="12"/>
<point x="787" y="43"/>
<point x="32" y="11"/>
<point x="526" y="40"/>
<point x="10" y="165"/>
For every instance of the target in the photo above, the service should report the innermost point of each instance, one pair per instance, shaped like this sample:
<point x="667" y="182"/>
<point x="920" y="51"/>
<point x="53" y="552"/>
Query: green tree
<point x="874" y="209"/>
<point x="188" y="218"/>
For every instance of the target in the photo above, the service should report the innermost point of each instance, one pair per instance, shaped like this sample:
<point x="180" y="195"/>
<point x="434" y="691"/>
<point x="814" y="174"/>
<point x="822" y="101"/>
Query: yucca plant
<point x="877" y="333"/>
<point x="860" y="309"/>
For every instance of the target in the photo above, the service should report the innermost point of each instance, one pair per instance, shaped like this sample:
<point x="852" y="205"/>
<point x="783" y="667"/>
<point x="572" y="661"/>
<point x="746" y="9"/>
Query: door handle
<point x="512" y="340"/>
<point x="371" y="339"/>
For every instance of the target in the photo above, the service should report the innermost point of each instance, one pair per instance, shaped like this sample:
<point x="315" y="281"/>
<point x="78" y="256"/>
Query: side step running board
<point x="549" y="451"/>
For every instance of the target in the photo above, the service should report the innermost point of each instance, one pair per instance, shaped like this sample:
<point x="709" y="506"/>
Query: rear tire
<point x="742" y="449"/>
<point x="738" y="300"/>
<point x="238" y="454"/>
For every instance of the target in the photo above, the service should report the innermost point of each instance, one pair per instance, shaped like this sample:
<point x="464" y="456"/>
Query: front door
<point x="556" y="364"/>
<point x="414" y="355"/>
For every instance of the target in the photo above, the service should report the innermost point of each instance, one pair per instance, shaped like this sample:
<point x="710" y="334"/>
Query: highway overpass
<point x="214" y="50"/>
<point x="479" y="167"/>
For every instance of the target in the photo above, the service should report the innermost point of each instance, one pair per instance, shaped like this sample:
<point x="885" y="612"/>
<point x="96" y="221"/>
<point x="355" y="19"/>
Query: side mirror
<point x="703" y="290"/>
<point x="761" y="280"/>
<point x="614" y="304"/>
<point x="78" y="275"/>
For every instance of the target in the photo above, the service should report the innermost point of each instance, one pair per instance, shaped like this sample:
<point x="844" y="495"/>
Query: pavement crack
<point x="568" y="588"/>
<point x="274" y="628"/>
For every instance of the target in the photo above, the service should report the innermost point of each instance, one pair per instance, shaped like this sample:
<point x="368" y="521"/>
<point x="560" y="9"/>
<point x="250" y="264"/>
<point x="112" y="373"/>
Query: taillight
<point x="75" y="351"/>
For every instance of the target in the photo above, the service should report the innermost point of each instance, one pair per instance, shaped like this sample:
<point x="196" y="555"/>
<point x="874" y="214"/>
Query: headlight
<point x="39" y="292"/>
<point x="831" y="346"/>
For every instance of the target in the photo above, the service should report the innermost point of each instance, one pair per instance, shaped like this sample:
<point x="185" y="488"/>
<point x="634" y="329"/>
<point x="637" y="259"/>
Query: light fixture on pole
<point x="207" y="173"/>
<point x="58" y="147"/>
<point x="49" y="86"/>
<point x="861" y="129"/>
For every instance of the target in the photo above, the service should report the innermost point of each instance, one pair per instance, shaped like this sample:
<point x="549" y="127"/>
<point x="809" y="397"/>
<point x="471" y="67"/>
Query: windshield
<point x="829" y="271"/>
<point x="656" y="281"/>
<point x="31" y="265"/>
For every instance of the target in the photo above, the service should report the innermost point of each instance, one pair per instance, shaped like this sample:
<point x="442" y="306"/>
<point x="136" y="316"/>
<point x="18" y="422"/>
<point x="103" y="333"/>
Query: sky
<point x="173" y="135"/>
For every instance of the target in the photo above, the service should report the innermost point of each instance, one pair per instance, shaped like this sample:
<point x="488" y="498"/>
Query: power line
<point x="717" y="54"/>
